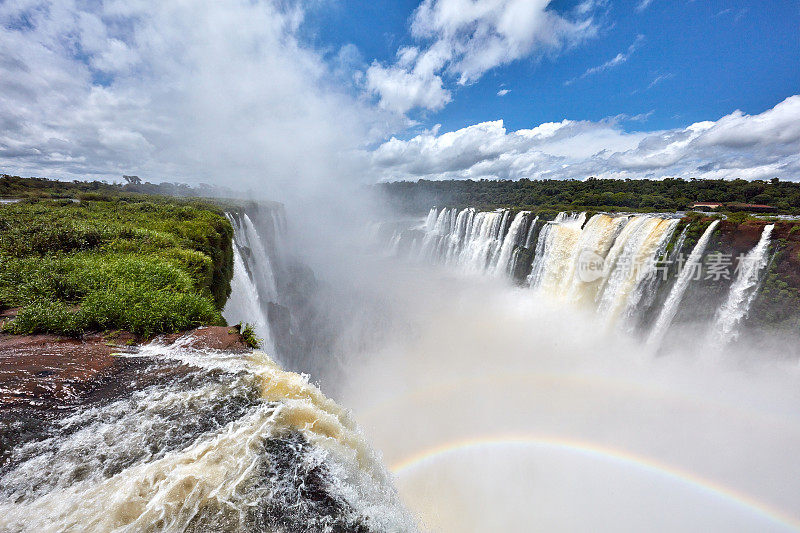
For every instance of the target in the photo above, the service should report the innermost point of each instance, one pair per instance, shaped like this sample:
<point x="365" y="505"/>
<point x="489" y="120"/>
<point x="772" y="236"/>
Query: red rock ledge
<point x="55" y="372"/>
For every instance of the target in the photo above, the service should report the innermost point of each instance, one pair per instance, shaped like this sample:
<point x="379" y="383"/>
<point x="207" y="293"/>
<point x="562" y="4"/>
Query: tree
<point x="133" y="180"/>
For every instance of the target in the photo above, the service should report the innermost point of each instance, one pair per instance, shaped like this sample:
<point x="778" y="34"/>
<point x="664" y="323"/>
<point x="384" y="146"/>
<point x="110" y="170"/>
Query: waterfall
<point x="237" y="444"/>
<point x="261" y="262"/>
<point x="672" y="304"/>
<point x="476" y="242"/>
<point x="243" y="305"/>
<point x="483" y="241"/>
<point x="743" y="290"/>
<point x="626" y="257"/>
<point x="555" y="252"/>
<point x="632" y="264"/>
<point x="253" y="286"/>
<point x="515" y="234"/>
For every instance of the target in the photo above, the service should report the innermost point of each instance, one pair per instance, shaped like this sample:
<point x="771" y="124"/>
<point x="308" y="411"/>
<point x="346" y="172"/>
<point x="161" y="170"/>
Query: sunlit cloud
<point x="737" y="145"/>
<point x="464" y="40"/>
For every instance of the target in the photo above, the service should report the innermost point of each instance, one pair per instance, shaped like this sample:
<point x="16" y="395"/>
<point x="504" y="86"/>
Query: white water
<point x="230" y="450"/>
<point x="263" y="273"/>
<point x="254" y="285"/>
<point x="513" y="238"/>
<point x="743" y="290"/>
<point x="670" y="308"/>
<point x="473" y="241"/>
<point x="628" y="247"/>
<point x="243" y="305"/>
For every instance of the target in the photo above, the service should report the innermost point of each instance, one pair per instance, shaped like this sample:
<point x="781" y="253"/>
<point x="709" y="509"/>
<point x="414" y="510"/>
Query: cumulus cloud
<point x="228" y="93"/>
<point x="738" y="145"/>
<point x="463" y="39"/>
<point x="201" y="90"/>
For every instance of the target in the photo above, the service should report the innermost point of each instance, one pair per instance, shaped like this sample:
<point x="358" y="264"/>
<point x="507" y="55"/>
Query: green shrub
<point x="248" y="334"/>
<point x="147" y="312"/>
<point x="144" y="264"/>
<point x="47" y="316"/>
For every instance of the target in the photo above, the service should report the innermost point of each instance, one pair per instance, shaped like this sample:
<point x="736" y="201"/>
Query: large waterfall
<point x="502" y="378"/>
<point x="620" y="266"/>
<point x="670" y="308"/>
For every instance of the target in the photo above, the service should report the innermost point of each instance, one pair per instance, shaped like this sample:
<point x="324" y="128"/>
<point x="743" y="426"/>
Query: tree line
<point x="669" y="194"/>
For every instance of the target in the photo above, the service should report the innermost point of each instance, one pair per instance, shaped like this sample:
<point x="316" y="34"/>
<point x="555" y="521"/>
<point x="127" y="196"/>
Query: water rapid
<point x="235" y="444"/>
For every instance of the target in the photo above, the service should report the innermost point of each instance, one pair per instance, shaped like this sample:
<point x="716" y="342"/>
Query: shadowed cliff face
<point x="776" y="308"/>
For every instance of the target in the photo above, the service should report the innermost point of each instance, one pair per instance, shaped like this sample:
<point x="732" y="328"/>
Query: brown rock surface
<point x="50" y="372"/>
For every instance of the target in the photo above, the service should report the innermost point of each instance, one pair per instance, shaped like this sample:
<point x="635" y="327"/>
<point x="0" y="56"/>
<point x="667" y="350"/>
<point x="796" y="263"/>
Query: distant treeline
<point x="17" y="187"/>
<point x="591" y="194"/>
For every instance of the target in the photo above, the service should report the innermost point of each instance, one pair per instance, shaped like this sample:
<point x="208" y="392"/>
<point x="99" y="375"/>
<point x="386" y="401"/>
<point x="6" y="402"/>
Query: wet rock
<point x="223" y="338"/>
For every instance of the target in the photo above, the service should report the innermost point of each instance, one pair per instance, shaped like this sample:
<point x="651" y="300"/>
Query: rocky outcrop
<point x="46" y="372"/>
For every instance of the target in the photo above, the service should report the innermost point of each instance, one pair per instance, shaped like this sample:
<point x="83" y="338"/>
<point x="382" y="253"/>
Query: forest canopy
<point x="669" y="194"/>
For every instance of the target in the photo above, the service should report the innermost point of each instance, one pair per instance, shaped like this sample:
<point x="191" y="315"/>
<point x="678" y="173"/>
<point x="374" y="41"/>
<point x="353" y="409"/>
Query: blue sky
<point x="303" y="93"/>
<point x="693" y="60"/>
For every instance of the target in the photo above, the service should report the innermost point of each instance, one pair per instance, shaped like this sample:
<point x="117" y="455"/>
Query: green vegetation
<point x="17" y="187"/>
<point x="778" y="301"/>
<point x="139" y="263"/>
<point x="248" y="335"/>
<point x="591" y="194"/>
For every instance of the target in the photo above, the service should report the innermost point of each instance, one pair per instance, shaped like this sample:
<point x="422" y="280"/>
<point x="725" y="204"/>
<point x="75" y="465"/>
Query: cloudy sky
<point x="270" y="93"/>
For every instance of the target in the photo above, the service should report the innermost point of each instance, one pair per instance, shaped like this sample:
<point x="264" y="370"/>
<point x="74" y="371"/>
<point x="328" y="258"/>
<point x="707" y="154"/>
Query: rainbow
<point x="428" y="456"/>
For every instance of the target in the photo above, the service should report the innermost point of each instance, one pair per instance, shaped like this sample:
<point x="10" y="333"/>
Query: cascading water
<point x="243" y="305"/>
<point x="628" y="255"/>
<point x="673" y="301"/>
<point x="237" y="444"/>
<point x="513" y="238"/>
<point x="254" y="283"/>
<point x="555" y="252"/>
<point x="743" y="290"/>
<point x="633" y="266"/>
<point x="477" y="242"/>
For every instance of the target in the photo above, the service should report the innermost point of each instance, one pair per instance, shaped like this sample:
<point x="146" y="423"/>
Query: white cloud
<point x="199" y="90"/>
<point x="503" y="92"/>
<point x="660" y="78"/>
<point x="229" y="93"/>
<point x="759" y="146"/>
<point x="465" y="38"/>
<point x="403" y="86"/>
<point x="615" y="61"/>
<point x="643" y="4"/>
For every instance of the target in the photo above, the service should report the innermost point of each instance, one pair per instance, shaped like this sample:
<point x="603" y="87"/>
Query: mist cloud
<point x="200" y="91"/>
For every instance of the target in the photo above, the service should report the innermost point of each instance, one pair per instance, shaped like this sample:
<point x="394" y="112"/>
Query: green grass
<point x="139" y="263"/>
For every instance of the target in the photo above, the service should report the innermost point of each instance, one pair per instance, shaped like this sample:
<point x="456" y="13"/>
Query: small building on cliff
<point x="705" y="206"/>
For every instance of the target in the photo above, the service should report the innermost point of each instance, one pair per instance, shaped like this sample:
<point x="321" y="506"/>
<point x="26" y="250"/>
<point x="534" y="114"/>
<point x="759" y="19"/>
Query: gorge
<point x="502" y="369"/>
